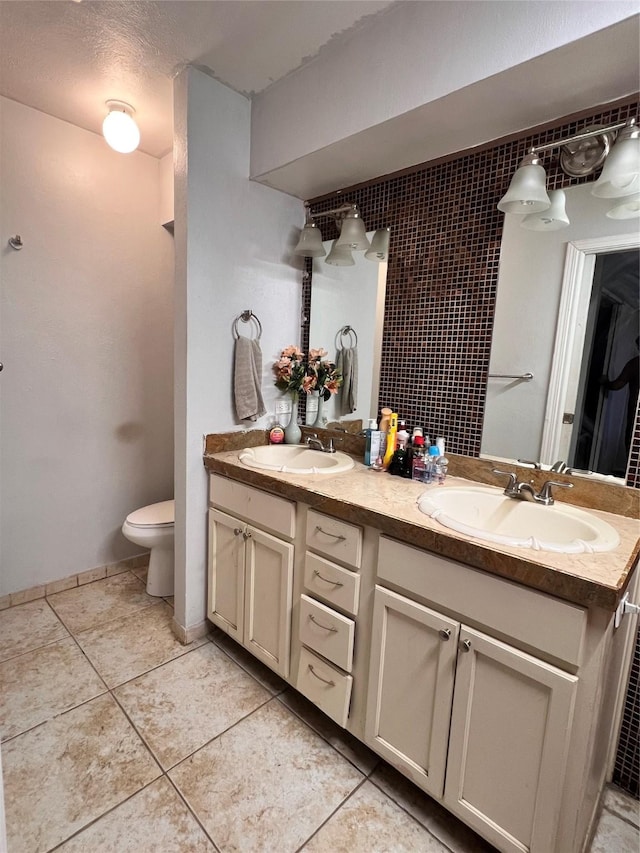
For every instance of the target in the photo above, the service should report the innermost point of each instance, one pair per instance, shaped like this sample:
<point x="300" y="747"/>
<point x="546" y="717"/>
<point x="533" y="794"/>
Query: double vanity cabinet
<point x="495" y="698"/>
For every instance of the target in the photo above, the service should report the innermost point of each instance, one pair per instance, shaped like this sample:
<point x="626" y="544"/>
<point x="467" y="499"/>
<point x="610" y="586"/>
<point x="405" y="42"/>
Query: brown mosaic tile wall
<point x="443" y="274"/>
<point x="441" y="292"/>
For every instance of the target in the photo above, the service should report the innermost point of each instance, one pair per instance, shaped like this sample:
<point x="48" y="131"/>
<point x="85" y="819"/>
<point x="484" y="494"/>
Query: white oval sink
<point x="295" y="459"/>
<point x="488" y="514"/>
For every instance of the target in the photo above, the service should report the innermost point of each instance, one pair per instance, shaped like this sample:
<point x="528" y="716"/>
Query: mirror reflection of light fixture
<point x="379" y="250"/>
<point x="119" y="127"/>
<point x="629" y="208"/>
<point x="339" y="256"/>
<point x="353" y="237"/>
<point x="552" y="219"/>
<point x="581" y="154"/>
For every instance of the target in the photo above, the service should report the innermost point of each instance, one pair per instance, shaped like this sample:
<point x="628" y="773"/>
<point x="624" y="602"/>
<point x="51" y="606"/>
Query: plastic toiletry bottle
<point x="373" y="427"/>
<point x="433" y="467"/>
<point x="276" y="434"/>
<point x="385" y="420"/>
<point x="440" y="445"/>
<point x="418" y="461"/>
<point x="403" y="433"/>
<point x="399" y="458"/>
<point x="443" y="466"/>
<point x="391" y="440"/>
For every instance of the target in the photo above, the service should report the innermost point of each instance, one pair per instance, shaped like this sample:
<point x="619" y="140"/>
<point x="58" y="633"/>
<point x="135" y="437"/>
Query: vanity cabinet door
<point x="225" y="607"/>
<point x="510" y="732"/>
<point x="413" y="658"/>
<point x="268" y="589"/>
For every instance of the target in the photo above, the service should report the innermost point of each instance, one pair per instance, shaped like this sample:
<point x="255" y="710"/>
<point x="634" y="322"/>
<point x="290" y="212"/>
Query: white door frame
<point x="574" y="304"/>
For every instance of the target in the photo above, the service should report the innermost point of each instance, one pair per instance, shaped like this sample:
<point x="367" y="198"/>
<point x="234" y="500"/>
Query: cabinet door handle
<point x="465" y="645"/>
<point x="320" y="678"/>
<point x="336" y="536"/>
<point x="237" y="531"/>
<point x="326" y="580"/>
<point x="445" y="633"/>
<point x="246" y="535"/>
<point x="324" y="627"/>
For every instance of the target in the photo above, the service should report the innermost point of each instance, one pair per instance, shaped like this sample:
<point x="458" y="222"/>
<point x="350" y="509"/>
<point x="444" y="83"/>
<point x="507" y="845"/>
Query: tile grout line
<point x="622" y="817"/>
<point x="191" y="811"/>
<point x="334" y="812"/>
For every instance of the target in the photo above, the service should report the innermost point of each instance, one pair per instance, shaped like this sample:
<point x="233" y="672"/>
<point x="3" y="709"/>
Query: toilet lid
<point x="154" y="515"/>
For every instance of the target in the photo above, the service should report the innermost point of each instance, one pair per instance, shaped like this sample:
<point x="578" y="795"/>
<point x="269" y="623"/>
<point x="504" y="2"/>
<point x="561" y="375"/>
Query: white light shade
<point x="310" y="242"/>
<point x="119" y="128"/>
<point x="527" y="191"/>
<point x="552" y="219"/>
<point x="353" y="233"/>
<point x="379" y="250"/>
<point x="339" y="256"/>
<point x="628" y="209"/>
<point x="620" y="174"/>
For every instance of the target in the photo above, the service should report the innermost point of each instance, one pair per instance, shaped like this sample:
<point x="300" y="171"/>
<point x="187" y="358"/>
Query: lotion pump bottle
<point x="373" y="427"/>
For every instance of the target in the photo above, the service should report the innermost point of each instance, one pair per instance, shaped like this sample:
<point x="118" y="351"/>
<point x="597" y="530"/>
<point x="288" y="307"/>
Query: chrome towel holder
<point x="246" y="317"/>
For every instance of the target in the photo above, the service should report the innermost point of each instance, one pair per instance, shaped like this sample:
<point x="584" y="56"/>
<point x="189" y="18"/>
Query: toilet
<point x="152" y="527"/>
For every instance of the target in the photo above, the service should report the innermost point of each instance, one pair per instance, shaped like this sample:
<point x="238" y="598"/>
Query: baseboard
<point x="82" y="578"/>
<point x="193" y="632"/>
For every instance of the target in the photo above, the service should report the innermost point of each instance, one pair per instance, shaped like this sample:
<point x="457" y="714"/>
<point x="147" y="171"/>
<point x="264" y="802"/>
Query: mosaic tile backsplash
<point x="443" y="275"/>
<point x="441" y="292"/>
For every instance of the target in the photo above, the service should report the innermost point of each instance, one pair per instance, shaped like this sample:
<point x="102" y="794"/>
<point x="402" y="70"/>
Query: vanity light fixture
<point x="581" y="154"/>
<point x="119" y="127"/>
<point x="353" y="237"/>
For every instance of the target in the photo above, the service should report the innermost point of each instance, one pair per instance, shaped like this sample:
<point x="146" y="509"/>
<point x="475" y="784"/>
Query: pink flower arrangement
<point x="296" y="375"/>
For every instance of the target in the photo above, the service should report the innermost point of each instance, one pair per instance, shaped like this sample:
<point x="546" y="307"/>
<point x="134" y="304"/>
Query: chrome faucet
<point x="316" y="444"/>
<point x="526" y="492"/>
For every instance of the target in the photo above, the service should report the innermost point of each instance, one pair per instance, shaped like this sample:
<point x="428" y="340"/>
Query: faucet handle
<point x="512" y="478"/>
<point x="545" y="495"/>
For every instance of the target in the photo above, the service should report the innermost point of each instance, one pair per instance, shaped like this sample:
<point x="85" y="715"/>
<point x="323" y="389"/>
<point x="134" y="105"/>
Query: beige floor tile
<point x="180" y="706"/>
<point x="267" y="677"/>
<point x="125" y="648"/>
<point x="155" y="819"/>
<point x="615" y="835"/>
<point x="339" y="738"/>
<point x="440" y="823"/>
<point x="265" y="785"/>
<point x="27" y="627"/>
<point x="369" y="822"/>
<point x="622" y="804"/>
<point x="141" y="572"/>
<point x="99" y="602"/>
<point x="41" y="684"/>
<point x="67" y="772"/>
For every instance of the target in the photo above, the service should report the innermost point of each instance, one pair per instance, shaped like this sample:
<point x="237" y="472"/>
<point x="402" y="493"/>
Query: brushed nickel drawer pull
<point x="320" y="678"/>
<point x="246" y="535"/>
<point x="466" y="645"/>
<point x="237" y="531"/>
<point x="336" y="536"/>
<point x="324" y="627"/>
<point x="326" y="580"/>
<point x="444" y="633"/>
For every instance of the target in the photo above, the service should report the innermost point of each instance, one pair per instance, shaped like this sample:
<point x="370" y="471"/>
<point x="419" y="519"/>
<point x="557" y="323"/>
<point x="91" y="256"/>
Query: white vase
<point x="292" y="432"/>
<point x="320" y="420"/>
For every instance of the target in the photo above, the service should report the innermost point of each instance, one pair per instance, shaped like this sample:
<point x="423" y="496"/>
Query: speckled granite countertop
<point x="388" y="503"/>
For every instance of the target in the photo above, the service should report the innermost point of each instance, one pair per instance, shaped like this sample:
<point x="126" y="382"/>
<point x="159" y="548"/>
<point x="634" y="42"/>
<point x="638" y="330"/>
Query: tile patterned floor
<point x="117" y="739"/>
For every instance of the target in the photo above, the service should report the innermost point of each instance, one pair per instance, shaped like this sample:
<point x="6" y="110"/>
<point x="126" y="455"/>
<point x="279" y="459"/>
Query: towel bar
<point x="246" y="317"/>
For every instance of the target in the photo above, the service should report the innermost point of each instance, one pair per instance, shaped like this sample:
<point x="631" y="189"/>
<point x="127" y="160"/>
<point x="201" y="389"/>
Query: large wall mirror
<point x="347" y="312"/>
<point x="567" y="312"/>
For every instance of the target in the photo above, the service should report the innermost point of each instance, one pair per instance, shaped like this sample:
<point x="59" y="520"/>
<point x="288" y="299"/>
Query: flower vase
<point x="292" y="432"/>
<point x="320" y="420"/>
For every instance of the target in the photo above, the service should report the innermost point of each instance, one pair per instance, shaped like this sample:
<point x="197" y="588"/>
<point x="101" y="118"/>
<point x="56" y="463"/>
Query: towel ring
<point x="246" y="317"/>
<point x="343" y="333"/>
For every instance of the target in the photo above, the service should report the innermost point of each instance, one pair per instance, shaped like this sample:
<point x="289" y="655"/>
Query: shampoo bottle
<point x="373" y="427"/>
<point x="391" y="440"/>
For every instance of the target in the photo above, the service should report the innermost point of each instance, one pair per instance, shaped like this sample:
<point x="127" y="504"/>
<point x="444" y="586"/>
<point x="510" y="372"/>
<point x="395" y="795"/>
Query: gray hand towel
<point x="247" y="376"/>
<point x="347" y="364"/>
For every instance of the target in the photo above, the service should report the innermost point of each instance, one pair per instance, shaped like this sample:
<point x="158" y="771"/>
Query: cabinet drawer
<point x="542" y="622"/>
<point x="325" y="686"/>
<point x="332" y="583"/>
<point x="327" y="632"/>
<point x="266" y="511"/>
<point x="336" y="539"/>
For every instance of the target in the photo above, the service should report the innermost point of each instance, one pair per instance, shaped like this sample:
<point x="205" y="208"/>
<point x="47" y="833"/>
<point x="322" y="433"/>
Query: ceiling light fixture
<point x="353" y="237"/>
<point x="119" y="127"/>
<point x="582" y="154"/>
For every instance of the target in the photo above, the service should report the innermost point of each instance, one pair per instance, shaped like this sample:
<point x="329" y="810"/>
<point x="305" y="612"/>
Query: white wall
<point x="524" y="330"/>
<point x="233" y="241"/>
<point x="86" y="340"/>
<point x="413" y="55"/>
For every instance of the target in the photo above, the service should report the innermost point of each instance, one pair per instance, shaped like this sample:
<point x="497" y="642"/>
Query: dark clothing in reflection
<point x="629" y="375"/>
